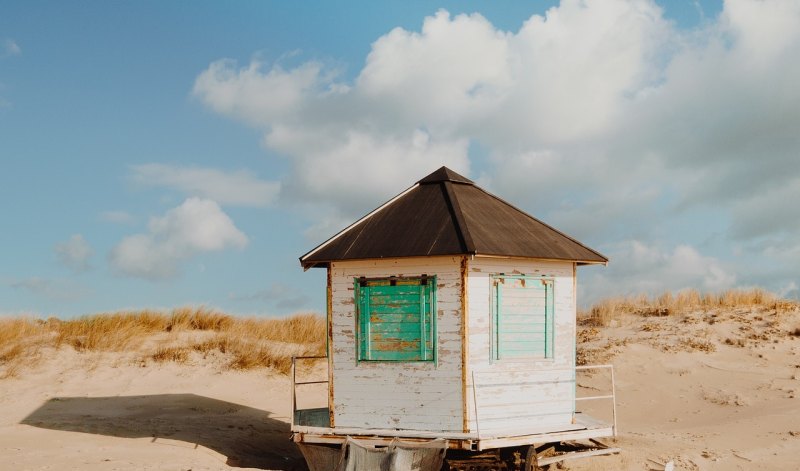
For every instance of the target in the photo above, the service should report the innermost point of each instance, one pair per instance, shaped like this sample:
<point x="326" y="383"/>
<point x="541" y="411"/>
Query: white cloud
<point x="593" y="81"/>
<point x="600" y="116"/>
<point x="270" y="96"/>
<point x="194" y="227"/>
<point x="763" y="29"/>
<point x="577" y="194"/>
<point x="423" y="96"/>
<point x="239" y="188"/>
<point x="74" y="253"/>
<point x="342" y="176"/>
<point x="439" y="76"/>
<point x="727" y="109"/>
<point x="10" y="48"/>
<point x="636" y="267"/>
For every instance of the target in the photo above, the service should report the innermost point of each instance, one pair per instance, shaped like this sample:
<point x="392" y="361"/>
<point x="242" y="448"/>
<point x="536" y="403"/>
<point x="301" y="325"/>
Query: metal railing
<point x="295" y="383"/>
<point x="612" y="396"/>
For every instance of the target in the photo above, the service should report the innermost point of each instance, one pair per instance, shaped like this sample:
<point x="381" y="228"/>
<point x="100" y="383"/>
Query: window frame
<point x="546" y="353"/>
<point x="428" y="315"/>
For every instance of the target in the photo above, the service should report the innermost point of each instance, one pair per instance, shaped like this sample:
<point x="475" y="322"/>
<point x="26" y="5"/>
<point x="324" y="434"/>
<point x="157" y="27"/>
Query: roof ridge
<point x="458" y="214"/>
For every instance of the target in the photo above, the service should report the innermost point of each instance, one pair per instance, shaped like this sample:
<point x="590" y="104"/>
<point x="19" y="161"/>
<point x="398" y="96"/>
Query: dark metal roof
<point x="447" y="214"/>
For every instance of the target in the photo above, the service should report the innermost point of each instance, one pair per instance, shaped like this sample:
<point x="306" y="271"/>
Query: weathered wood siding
<point x="515" y="395"/>
<point x="404" y="395"/>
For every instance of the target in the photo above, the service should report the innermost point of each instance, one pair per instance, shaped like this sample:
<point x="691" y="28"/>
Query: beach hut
<point x="451" y="315"/>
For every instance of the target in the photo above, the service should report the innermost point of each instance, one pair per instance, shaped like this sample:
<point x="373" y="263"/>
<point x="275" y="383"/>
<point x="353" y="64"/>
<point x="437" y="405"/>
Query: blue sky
<point x="158" y="154"/>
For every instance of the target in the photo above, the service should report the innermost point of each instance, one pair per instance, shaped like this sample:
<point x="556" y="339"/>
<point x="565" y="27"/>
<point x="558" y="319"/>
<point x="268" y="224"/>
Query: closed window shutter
<point x="396" y="320"/>
<point x="523" y="317"/>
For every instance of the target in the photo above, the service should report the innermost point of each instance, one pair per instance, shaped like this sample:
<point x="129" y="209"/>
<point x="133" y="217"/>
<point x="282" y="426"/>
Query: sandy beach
<point x="106" y="413"/>
<point x="708" y="391"/>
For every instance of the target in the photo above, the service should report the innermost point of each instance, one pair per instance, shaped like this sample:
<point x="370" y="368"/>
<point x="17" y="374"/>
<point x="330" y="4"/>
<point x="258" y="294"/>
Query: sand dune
<point x="709" y="391"/>
<point x="712" y="390"/>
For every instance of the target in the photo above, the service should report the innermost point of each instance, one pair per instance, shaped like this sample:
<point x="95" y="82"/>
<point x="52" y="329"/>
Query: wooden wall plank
<point x="407" y="395"/>
<point x="517" y="393"/>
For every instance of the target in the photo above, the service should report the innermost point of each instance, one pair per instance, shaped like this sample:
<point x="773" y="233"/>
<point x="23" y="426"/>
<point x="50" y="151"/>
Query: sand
<point x="707" y="391"/>
<point x="107" y="412"/>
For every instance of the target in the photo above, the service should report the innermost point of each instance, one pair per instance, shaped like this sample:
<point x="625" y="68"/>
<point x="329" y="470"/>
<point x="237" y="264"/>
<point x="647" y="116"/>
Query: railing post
<point x="614" y="402"/>
<point x="294" y="390"/>
<point x="475" y="406"/>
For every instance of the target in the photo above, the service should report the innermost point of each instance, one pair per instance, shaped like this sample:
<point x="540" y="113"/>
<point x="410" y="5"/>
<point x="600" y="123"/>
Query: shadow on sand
<point x="248" y="437"/>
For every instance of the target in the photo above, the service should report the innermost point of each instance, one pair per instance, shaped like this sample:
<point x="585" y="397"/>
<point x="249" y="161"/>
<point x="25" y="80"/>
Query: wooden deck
<point x="312" y="426"/>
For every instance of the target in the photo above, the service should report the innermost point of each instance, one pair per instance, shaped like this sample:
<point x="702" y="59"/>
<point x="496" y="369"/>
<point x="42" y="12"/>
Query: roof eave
<point x="585" y="262"/>
<point x="547" y="259"/>
<point x="325" y="263"/>
<point x="311" y="252"/>
<point x="307" y="265"/>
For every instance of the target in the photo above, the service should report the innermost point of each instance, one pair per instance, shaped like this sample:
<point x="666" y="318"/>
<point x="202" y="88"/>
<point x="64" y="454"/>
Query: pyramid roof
<point x="447" y="214"/>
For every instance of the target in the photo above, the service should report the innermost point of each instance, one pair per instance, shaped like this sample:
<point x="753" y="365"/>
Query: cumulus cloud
<point x="602" y="117"/>
<point x="196" y="226"/>
<point x="727" y="108"/>
<point x="74" y="253"/>
<point x="238" y="188"/>
<point x="269" y="96"/>
<point x="423" y="97"/>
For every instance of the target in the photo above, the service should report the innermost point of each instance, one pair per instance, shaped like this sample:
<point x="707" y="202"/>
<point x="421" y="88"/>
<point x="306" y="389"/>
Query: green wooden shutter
<point x="396" y="319"/>
<point x="522" y="311"/>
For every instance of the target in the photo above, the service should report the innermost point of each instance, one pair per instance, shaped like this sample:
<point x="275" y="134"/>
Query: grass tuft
<point x="20" y="341"/>
<point x="176" y="354"/>
<point x="187" y="318"/>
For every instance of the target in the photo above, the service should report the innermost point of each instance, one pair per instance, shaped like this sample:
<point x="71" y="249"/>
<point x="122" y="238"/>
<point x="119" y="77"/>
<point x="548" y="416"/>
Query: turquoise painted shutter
<point x="363" y="319"/>
<point x="523" y="317"/>
<point x="396" y="320"/>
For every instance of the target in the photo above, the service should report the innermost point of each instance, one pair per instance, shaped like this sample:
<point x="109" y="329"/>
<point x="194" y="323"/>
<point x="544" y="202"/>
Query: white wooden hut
<point x="451" y="314"/>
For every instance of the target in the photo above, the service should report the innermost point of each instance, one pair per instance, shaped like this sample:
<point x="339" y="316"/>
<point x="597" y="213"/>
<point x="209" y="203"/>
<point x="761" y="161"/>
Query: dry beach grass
<point x="247" y="343"/>
<point x="684" y="301"/>
<point x="683" y="321"/>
